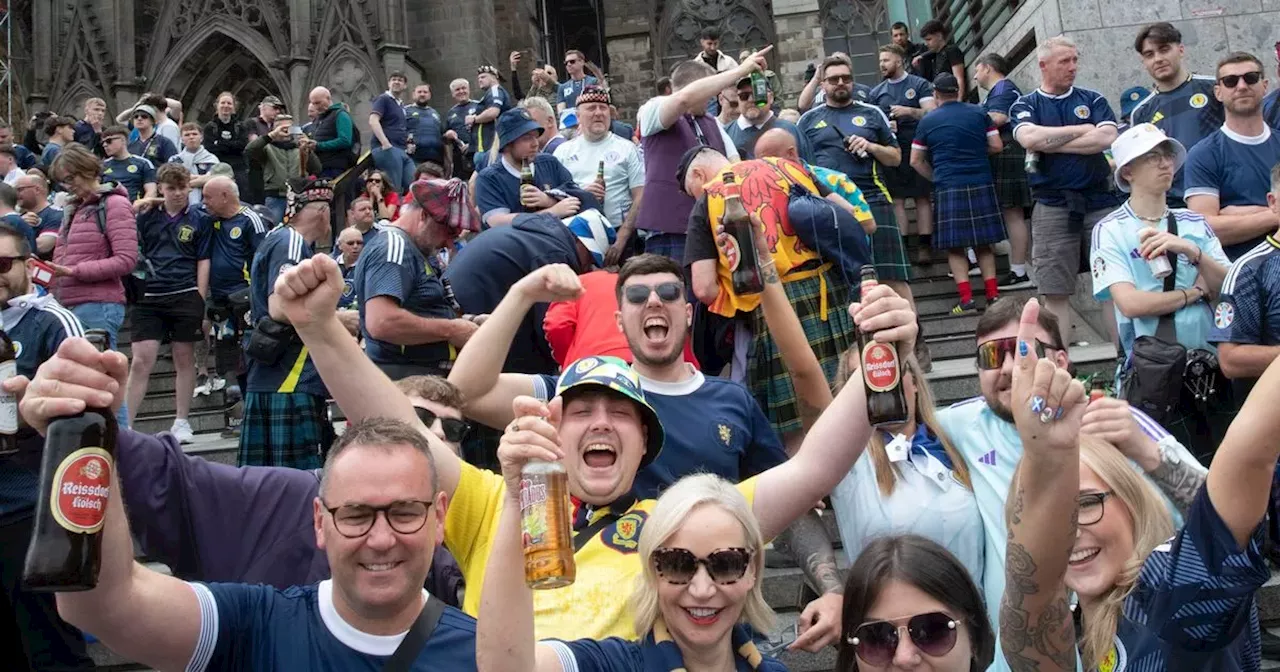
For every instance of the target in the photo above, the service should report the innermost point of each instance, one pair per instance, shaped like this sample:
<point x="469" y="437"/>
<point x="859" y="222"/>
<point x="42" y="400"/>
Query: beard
<point x="840" y="96"/>
<point x="1246" y="107"/>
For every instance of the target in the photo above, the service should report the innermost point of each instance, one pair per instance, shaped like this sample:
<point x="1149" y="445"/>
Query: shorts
<point x="1057" y="254"/>
<point x="175" y="318"/>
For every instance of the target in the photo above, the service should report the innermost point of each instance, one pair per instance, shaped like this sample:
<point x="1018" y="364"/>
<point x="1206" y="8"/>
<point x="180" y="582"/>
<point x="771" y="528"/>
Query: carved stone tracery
<point x="745" y="24"/>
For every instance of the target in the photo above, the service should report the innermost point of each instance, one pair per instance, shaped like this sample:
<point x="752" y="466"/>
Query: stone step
<point x="164" y="403"/>
<point x="201" y="422"/>
<point x="940" y="305"/>
<point x="938" y="269"/>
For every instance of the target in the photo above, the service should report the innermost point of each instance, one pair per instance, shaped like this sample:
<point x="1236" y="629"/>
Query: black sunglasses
<point x="840" y="79"/>
<point x="6" y="263"/>
<point x="455" y="430"/>
<point x="724" y="565"/>
<point x="1250" y="78"/>
<point x="744" y="96"/>
<point x="668" y="292"/>
<point x="933" y="633"/>
<point x="571" y="61"/>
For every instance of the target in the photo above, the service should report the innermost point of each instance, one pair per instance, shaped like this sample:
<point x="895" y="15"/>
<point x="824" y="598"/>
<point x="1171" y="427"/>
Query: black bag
<point x="416" y="638"/>
<point x="1152" y="380"/>
<point x="270" y="341"/>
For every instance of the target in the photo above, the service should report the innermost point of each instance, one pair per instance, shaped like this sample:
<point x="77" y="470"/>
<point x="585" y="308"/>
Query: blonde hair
<point x="1152" y="526"/>
<point x="1045" y="50"/>
<point x="672" y="509"/>
<point x="886" y="472"/>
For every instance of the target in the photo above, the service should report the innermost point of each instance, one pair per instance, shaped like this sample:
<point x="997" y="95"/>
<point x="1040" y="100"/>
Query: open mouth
<point x="702" y="616"/>
<point x="379" y="567"/>
<point x="1082" y="556"/>
<point x="656" y="328"/>
<point x="600" y="456"/>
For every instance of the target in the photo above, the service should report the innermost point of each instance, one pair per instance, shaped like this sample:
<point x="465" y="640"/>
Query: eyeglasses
<point x="6" y="263"/>
<point x="992" y="353"/>
<point x="1091" y="506"/>
<point x="1250" y="78"/>
<point x="668" y="292"/>
<point x="355" y="520"/>
<point x="933" y="633"/>
<point x="141" y="116"/>
<point x="724" y="565"/>
<point x="373" y="180"/>
<point x="455" y="430"/>
<point x="840" y="79"/>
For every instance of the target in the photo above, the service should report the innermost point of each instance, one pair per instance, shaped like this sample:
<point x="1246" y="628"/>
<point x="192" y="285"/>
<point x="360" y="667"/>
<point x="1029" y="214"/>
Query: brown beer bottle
<point x="546" y="526"/>
<point x="1097" y="388"/>
<point x="740" y="252"/>
<point x="8" y="402"/>
<point x="75" y="485"/>
<point x="881" y="371"/>
<point x="600" y="179"/>
<point x="526" y="178"/>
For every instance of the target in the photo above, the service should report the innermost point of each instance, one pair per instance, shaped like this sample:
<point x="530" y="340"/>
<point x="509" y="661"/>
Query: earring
<point x="852" y="640"/>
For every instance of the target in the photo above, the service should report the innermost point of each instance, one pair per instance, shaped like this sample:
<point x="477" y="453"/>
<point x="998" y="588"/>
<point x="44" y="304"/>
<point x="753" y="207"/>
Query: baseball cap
<point x="274" y="101"/>
<point x="1130" y="99"/>
<point x="616" y="376"/>
<point x="1137" y="141"/>
<point x="594" y="231"/>
<point x="568" y="118"/>
<point x="147" y="110"/>
<point x="946" y="82"/>
<point x="685" y="161"/>
<point x="513" y="124"/>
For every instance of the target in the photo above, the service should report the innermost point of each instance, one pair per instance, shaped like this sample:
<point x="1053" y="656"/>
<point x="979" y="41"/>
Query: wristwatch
<point x="1167" y="453"/>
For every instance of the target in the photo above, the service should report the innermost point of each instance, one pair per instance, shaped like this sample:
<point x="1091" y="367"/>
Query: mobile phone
<point x="779" y="641"/>
<point x="41" y="273"/>
<point x="539" y="64"/>
<point x="295" y="130"/>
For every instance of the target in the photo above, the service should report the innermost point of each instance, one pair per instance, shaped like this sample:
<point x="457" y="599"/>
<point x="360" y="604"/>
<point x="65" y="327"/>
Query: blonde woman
<point x="703" y="559"/>
<point x="1080" y="518"/>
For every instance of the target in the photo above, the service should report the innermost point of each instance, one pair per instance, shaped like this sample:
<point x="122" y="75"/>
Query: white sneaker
<point x="201" y="388"/>
<point x="182" y="431"/>
<point x="217" y="383"/>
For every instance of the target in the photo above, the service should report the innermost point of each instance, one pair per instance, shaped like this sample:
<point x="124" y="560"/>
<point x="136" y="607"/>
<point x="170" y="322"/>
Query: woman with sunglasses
<point x="386" y="202"/>
<point x="909" y="604"/>
<point x="703" y="559"/>
<point x="1080" y="519"/>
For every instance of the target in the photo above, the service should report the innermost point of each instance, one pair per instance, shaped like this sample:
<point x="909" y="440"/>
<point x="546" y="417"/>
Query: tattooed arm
<point x="1179" y="479"/>
<point x="806" y="541"/>
<point x="1175" y="471"/>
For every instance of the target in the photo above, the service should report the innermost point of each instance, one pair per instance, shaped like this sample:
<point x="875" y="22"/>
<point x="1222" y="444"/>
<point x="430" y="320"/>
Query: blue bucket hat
<point x="1130" y="99"/>
<point x="513" y="124"/>
<point x="616" y="376"/>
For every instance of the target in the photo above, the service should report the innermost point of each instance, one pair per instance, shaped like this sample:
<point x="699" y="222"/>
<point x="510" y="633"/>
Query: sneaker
<point x="182" y="431"/>
<point x="1013" y="280"/>
<point x="217" y="383"/>
<point x="202" y="387"/>
<point x="964" y="308"/>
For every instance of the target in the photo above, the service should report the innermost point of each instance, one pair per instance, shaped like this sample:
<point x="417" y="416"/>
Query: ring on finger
<point x="1047" y="415"/>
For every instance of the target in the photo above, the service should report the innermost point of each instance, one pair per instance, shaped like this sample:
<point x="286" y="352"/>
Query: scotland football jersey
<point x="1188" y="114"/>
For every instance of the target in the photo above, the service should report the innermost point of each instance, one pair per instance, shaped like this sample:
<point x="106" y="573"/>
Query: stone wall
<point x="450" y="39"/>
<point x="633" y="76"/>
<point x="799" y="44"/>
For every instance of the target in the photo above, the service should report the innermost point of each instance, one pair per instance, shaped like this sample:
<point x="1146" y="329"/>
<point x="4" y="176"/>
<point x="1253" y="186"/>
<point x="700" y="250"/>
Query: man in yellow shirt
<point x="606" y="433"/>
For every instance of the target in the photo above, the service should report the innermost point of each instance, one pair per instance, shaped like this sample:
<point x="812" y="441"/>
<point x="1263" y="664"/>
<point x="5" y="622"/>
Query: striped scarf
<point x="667" y="653"/>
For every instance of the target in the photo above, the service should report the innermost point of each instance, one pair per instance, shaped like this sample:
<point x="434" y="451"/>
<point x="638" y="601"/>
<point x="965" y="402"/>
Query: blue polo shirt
<point x="744" y="136"/>
<point x="133" y="173"/>
<point x="427" y="130"/>
<point x="50" y="221"/>
<point x="498" y="185"/>
<point x="158" y="149"/>
<point x="955" y="135"/>
<point x="16" y="221"/>
<point x="1114" y="258"/>
<point x="282" y="249"/>
<point x="231" y="250"/>
<point x="391" y="116"/>
<point x="486" y="134"/>
<point x="457" y="122"/>
<point x="826" y="127"/>
<point x="1188" y="114"/>
<point x="1068" y="172"/>
<point x="712" y="425"/>
<point x="244" y="627"/>
<point x="1000" y="99"/>
<point x="568" y="91"/>
<point x="174" y="244"/>
<point x="1236" y="169"/>
<point x="907" y="91"/>
<point x="392" y="266"/>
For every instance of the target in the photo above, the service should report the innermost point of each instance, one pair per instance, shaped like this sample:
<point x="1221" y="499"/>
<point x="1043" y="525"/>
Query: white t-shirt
<point x="170" y="129"/>
<point x="623" y="170"/>
<point x="650" y="122"/>
<point x="12" y="178"/>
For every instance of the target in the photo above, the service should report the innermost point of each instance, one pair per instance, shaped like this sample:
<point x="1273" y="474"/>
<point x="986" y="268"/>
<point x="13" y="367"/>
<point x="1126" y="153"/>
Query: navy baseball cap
<point x="1130" y="99"/>
<point x="513" y="124"/>
<point x="946" y="82"/>
<point x="617" y="377"/>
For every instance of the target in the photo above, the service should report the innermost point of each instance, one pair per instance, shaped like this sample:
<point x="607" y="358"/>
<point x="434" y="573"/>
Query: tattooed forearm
<point x="1179" y="480"/>
<point x="770" y="272"/>
<point x="1036" y="630"/>
<point x="806" y="540"/>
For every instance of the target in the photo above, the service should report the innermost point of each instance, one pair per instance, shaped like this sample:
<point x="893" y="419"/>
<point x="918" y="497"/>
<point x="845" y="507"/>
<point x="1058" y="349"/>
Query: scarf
<point x="664" y="651"/>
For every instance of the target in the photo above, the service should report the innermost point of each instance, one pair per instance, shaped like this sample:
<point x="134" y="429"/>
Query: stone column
<point x="799" y="44"/>
<point x="628" y="36"/>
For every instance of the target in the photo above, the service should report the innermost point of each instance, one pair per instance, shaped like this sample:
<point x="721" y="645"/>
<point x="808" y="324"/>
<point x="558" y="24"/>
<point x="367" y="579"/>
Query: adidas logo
<point x="989" y="458"/>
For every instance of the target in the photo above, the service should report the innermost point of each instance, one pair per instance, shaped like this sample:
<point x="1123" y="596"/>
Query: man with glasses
<point x="982" y="430"/>
<point x="755" y="120"/>
<point x="1228" y="173"/>
<point x="350" y="244"/>
<point x="1146" y="164"/>
<point x="135" y="173"/>
<point x="567" y="93"/>
<point x="37" y="324"/>
<point x="150" y="145"/>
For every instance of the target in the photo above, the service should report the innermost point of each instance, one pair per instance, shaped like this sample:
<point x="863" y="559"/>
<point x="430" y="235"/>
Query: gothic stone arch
<point x="858" y="28"/>
<point x="743" y="24"/>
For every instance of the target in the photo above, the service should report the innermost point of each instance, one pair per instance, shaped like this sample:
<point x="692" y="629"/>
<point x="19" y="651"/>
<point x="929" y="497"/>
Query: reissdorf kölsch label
<point x="81" y="489"/>
<point x="880" y="366"/>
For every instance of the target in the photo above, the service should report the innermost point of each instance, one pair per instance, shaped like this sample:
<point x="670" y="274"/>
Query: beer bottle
<point x="760" y="89"/>
<point x="1097" y="388"/>
<point x="8" y="402"/>
<point x="740" y="252"/>
<point x="545" y="524"/>
<point x="881" y="371"/>
<point x="75" y="480"/>
<point x="526" y="178"/>
<point x="600" y="179"/>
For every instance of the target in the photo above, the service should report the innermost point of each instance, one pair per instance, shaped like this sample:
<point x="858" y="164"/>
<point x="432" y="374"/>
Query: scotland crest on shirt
<point x="1199" y="100"/>
<point x="1082" y="111"/>
<point x="625" y="537"/>
<point x="910" y="94"/>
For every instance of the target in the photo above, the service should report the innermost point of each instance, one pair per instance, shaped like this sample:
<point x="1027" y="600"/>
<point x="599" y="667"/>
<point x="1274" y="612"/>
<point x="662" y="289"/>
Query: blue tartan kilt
<point x="284" y="430"/>
<point x="967" y="216"/>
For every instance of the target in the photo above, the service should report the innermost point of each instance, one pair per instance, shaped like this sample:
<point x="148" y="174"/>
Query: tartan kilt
<point x="888" y="253"/>
<point x="670" y="245"/>
<point x="966" y="216"/>
<point x="1009" y="169"/>
<point x="768" y="378"/>
<point x="284" y="430"/>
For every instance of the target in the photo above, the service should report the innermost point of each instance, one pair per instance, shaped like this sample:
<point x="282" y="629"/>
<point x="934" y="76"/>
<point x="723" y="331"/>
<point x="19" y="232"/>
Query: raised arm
<point x="703" y="89"/>
<point x="809" y="92"/>
<point x="1036" y="630"/>
<point x="787" y="491"/>
<point x="1240" y="477"/>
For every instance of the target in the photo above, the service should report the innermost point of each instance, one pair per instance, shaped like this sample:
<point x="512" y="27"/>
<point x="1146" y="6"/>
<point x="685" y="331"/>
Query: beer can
<point x="1159" y="265"/>
<point x="1032" y="163"/>
<point x="546" y="526"/>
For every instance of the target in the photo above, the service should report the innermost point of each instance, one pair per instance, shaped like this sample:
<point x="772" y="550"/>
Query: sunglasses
<point x="107" y="141"/>
<point x="933" y="633"/>
<point x="6" y="263"/>
<point x="744" y="96"/>
<point x="724" y="565"/>
<point x="1250" y="78"/>
<point x="668" y="292"/>
<point x="141" y="116"/>
<point x="455" y="430"/>
<point x="571" y="61"/>
<point x="840" y="79"/>
<point x="376" y="180"/>
<point x="992" y="353"/>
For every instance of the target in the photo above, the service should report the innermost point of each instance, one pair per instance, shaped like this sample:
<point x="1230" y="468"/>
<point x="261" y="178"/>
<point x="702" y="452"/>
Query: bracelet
<point x="1185" y="298"/>
<point x="1199" y="254"/>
